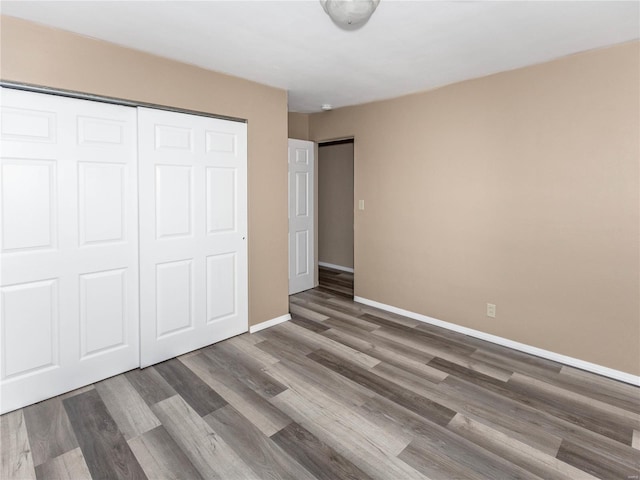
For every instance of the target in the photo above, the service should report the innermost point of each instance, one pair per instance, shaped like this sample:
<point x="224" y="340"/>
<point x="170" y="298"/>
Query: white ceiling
<point x="407" y="46"/>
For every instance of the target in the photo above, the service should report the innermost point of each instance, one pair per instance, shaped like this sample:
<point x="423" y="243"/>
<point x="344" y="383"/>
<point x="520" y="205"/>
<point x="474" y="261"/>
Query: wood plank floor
<point x="335" y="282"/>
<point x="342" y="391"/>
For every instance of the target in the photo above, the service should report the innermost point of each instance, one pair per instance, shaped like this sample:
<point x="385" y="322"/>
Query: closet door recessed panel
<point x="193" y="254"/>
<point x="28" y="204"/>
<point x="173" y="200"/>
<point x="69" y="266"/>
<point x="102" y="202"/>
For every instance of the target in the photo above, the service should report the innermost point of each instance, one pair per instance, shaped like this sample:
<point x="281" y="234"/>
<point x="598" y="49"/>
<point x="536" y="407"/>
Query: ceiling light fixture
<point x="326" y="107"/>
<point x="349" y="14"/>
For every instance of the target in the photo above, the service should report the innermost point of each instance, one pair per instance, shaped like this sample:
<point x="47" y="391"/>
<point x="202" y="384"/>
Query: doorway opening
<point x="336" y="216"/>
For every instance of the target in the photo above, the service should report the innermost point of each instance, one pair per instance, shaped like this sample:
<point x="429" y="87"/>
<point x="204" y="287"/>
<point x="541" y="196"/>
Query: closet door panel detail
<point x="193" y="223"/>
<point x="69" y="241"/>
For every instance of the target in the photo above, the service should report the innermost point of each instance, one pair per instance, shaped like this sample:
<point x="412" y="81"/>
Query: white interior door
<point x="301" y="212"/>
<point x="193" y="227"/>
<point x="69" y="275"/>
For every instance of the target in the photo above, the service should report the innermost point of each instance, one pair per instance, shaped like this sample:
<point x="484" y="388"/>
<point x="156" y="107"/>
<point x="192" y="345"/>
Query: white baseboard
<point x="335" y="267"/>
<point x="269" y="323"/>
<point x="539" y="352"/>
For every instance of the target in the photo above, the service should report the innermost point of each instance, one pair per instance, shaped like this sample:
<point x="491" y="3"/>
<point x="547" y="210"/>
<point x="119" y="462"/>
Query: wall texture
<point x="39" y="55"/>
<point x="335" y="204"/>
<point x="298" y="125"/>
<point x="519" y="189"/>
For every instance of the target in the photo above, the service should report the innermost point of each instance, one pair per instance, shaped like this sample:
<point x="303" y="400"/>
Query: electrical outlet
<point x="360" y="204"/>
<point x="491" y="310"/>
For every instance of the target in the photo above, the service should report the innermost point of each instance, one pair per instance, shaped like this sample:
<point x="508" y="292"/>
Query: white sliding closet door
<point x="69" y="240"/>
<point x="193" y="226"/>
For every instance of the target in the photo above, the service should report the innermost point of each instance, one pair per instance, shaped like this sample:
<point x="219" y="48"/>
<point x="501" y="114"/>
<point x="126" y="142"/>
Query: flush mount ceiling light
<point x="349" y="14"/>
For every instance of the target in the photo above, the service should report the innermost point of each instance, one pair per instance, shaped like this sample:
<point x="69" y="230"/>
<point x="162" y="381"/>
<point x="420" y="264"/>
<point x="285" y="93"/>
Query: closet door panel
<point x="193" y="253"/>
<point x="69" y="274"/>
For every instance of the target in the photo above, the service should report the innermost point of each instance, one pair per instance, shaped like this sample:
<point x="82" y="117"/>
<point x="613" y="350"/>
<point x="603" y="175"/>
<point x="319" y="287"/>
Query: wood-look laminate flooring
<point x="342" y="391"/>
<point x="335" y="282"/>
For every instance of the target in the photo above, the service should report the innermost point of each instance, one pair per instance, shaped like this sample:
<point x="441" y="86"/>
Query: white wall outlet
<point x="491" y="310"/>
<point x="360" y="204"/>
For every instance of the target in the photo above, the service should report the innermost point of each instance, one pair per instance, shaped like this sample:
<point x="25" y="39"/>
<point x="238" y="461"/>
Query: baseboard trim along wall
<point x="335" y="267"/>
<point x="539" y="352"/>
<point x="269" y="323"/>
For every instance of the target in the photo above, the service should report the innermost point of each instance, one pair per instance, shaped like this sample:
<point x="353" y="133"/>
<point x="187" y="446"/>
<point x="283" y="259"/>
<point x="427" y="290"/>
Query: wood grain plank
<point x="407" y="367"/>
<point x="529" y="424"/>
<point x="512" y="418"/>
<point x="359" y="309"/>
<point x="631" y="392"/>
<point x="523" y="363"/>
<point x="316" y="456"/>
<point x="195" y="392"/>
<point x="579" y="401"/>
<point x="397" y="348"/>
<point x="408" y="380"/>
<point x="443" y="455"/>
<point x="412" y="352"/>
<point x="354" y="324"/>
<point x="292" y="369"/>
<point x="50" y="433"/>
<point x="594" y="463"/>
<point x="150" y="385"/>
<point x="312" y="325"/>
<point x="310" y="295"/>
<point x="68" y="466"/>
<point x="259" y="411"/>
<point x="336" y="290"/>
<point x="343" y="416"/>
<point x="301" y="311"/>
<point x="206" y="450"/>
<point x="75" y="392"/>
<point x="415" y="337"/>
<point x="533" y="460"/>
<point x="583" y="418"/>
<point x="418" y="404"/>
<point x="334" y="312"/>
<point x="304" y="336"/>
<point x="370" y="345"/>
<point x="325" y="302"/>
<point x="247" y="345"/>
<point x="161" y="458"/>
<point x="104" y="448"/>
<point x="224" y="356"/>
<point x="16" y="461"/>
<point x="286" y="341"/>
<point x="354" y="445"/>
<point x="594" y="386"/>
<point x="126" y="407"/>
<point x="267" y="459"/>
<point x="393" y="317"/>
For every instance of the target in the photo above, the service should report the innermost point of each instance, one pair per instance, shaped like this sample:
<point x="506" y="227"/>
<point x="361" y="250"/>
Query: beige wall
<point x="298" y="125"/>
<point x="335" y="204"/>
<point x="44" y="56"/>
<point x="519" y="189"/>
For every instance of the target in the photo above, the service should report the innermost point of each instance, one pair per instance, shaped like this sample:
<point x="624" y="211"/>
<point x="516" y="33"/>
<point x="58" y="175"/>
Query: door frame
<point x="316" y="144"/>
<point x="327" y="143"/>
<point x="314" y="214"/>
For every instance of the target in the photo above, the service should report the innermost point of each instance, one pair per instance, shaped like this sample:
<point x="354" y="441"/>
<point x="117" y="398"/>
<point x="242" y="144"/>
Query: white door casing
<point x="69" y="240"/>
<point x="301" y="216"/>
<point x="193" y="229"/>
